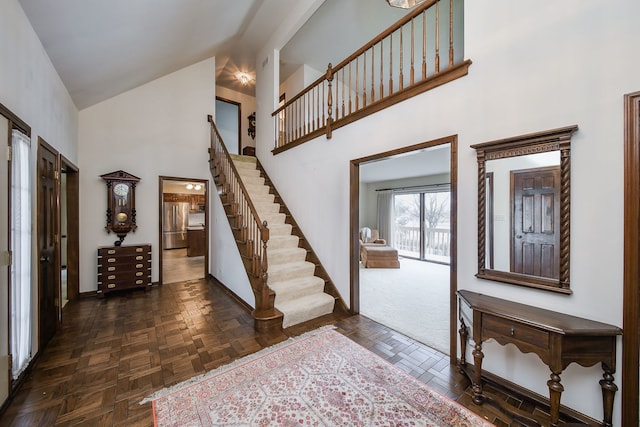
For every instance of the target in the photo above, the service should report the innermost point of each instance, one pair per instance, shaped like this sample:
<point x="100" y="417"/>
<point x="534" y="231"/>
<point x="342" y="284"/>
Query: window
<point x="421" y="224"/>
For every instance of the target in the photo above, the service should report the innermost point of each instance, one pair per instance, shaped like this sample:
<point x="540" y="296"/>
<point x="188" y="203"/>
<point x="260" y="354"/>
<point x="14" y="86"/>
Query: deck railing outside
<point x="420" y="51"/>
<point x="437" y="242"/>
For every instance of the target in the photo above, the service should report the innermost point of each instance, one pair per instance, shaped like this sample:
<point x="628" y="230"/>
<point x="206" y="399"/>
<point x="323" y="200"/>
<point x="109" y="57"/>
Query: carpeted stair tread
<point x="285" y="255"/>
<point x="274" y="218"/>
<point x="299" y="293"/>
<point x="280" y="242"/>
<point x="291" y="270"/>
<point x="305" y="308"/>
<point x="296" y="288"/>
<point x="279" y="229"/>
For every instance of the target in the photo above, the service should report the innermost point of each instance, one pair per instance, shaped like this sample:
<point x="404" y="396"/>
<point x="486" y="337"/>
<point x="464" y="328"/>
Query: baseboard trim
<point x="500" y="382"/>
<point x="232" y="294"/>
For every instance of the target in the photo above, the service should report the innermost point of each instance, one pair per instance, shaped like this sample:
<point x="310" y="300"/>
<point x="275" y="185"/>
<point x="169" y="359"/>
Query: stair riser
<point x="289" y="274"/>
<point x="291" y="242"/>
<point x="294" y="317"/>
<point x="277" y="258"/>
<point x="299" y="292"/>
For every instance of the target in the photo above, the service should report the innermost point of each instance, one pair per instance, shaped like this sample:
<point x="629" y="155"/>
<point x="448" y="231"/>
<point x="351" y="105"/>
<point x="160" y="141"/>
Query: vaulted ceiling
<point x="102" y="48"/>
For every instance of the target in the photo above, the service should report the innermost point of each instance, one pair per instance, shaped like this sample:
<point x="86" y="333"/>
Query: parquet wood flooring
<point x="112" y="352"/>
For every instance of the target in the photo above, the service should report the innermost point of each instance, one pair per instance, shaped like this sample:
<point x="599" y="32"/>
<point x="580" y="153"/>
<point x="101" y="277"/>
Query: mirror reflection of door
<point x="536" y="215"/>
<point x="228" y="123"/>
<point x="48" y="278"/>
<point x="184" y="229"/>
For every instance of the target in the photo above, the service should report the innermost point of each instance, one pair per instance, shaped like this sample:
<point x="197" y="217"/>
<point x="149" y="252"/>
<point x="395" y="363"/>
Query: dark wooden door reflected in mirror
<point x="510" y="234"/>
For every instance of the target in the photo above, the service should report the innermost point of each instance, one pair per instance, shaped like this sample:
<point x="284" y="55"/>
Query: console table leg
<point x="477" y="383"/>
<point x="608" y="392"/>
<point x="464" y="334"/>
<point x="555" y="391"/>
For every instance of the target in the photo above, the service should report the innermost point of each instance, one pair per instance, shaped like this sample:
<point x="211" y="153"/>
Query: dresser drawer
<point x="123" y="267"/>
<point x="496" y="327"/>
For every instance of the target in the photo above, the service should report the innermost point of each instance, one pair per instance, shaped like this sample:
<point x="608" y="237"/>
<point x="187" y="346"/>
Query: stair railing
<point x="249" y="229"/>
<point x="399" y="63"/>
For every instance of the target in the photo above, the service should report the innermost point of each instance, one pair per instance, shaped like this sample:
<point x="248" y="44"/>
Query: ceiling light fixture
<point x="243" y="78"/>
<point x="197" y="187"/>
<point x="189" y="186"/>
<point x="404" y="4"/>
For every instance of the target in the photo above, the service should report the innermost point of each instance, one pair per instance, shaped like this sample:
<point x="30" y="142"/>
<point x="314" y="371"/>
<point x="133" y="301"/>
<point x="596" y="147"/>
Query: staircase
<point x="299" y="294"/>
<point x="289" y="284"/>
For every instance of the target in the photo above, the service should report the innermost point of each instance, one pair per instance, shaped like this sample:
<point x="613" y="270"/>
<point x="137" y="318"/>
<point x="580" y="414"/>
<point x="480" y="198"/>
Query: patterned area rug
<point x="321" y="378"/>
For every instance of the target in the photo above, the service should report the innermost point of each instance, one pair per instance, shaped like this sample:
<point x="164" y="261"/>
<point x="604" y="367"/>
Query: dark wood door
<point x="48" y="277"/>
<point x="535" y="221"/>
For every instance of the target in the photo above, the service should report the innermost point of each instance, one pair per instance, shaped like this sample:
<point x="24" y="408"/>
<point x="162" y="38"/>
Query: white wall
<point x="31" y="88"/>
<point x="158" y="129"/>
<point x="536" y="66"/>
<point x="247" y="106"/>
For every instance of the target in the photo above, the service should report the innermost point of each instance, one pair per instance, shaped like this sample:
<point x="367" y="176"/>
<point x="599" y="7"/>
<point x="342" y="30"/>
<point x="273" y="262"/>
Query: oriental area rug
<point x="321" y="378"/>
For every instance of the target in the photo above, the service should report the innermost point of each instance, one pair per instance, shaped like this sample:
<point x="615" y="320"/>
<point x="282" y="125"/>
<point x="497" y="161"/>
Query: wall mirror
<point x="524" y="209"/>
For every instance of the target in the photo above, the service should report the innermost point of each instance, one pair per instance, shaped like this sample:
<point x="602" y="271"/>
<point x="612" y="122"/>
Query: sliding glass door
<point x="421" y="224"/>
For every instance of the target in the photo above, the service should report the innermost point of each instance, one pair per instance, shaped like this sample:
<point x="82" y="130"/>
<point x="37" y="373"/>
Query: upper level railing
<point x="421" y="51"/>
<point x="253" y="232"/>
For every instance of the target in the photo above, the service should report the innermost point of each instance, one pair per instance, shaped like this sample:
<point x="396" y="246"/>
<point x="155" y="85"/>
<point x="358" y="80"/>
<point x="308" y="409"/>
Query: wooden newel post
<point x="329" y="100"/>
<point x="264" y="236"/>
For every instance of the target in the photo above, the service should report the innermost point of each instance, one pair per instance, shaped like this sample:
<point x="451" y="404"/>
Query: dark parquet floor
<point x="112" y="352"/>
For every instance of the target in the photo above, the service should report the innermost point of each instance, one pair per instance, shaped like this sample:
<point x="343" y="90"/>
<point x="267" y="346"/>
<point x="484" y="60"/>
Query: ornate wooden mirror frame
<point x="539" y="142"/>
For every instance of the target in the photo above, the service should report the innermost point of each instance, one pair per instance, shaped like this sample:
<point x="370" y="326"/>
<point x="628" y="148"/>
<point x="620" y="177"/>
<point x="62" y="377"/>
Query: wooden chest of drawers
<point x="123" y="267"/>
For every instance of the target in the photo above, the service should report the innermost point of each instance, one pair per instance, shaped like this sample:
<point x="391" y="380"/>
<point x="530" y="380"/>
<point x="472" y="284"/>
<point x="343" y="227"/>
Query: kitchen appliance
<point x="174" y="224"/>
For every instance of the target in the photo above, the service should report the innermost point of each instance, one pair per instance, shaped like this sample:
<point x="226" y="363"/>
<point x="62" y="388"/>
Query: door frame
<point x="14" y="122"/>
<point x="43" y="145"/>
<point x="354" y="224"/>
<point x="161" y="180"/>
<point x="72" y="197"/>
<point x="631" y="277"/>
<point x="239" y="105"/>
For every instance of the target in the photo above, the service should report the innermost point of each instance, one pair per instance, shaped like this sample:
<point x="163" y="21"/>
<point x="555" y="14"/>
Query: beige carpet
<point x="413" y="300"/>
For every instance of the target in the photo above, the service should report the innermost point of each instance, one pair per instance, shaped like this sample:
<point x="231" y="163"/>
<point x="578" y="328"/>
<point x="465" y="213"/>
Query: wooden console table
<point x="558" y="339"/>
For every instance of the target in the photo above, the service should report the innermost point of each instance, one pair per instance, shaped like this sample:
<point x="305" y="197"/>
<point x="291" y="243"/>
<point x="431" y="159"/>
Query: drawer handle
<point x="513" y="331"/>
<point x="113" y="276"/>
<point x="139" y="265"/>
<point x="139" y="249"/>
<point x="111" y="268"/>
<point x="111" y="260"/>
<point x="111" y="285"/>
<point x="138" y="282"/>
<point x="111" y="251"/>
<point x="139" y="273"/>
<point x="138" y="258"/>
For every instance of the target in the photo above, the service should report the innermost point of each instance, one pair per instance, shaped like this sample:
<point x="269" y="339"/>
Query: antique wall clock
<point x="121" y="203"/>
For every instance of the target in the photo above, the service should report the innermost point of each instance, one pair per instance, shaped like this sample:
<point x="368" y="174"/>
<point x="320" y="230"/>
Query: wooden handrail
<point x="373" y="77"/>
<point x="255" y="232"/>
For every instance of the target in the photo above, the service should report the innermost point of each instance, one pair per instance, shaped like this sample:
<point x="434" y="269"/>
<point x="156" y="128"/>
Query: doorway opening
<point x="183" y="237"/>
<point x="69" y="232"/>
<point x="228" y="123"/>
<point x="420" y="182"/>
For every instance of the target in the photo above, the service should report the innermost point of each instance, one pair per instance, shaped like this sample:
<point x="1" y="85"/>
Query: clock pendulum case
<point x="121" y="203"/>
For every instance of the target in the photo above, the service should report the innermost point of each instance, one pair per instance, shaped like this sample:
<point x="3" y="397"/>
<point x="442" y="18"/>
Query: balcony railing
<point x="417" y="53"/>
<point x="437" y="242"/>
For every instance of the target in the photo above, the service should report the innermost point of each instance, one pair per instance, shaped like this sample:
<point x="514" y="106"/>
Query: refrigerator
<point x="174" y="224"/>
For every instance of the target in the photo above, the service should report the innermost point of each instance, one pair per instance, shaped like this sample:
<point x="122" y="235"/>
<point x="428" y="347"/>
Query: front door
<point x="48" y="277"/>
<point x="535" y="223"/>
